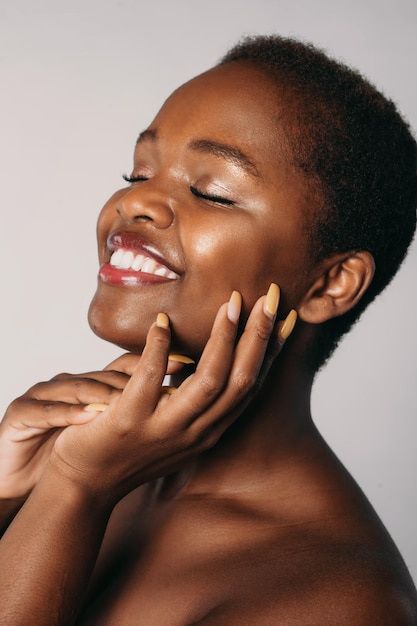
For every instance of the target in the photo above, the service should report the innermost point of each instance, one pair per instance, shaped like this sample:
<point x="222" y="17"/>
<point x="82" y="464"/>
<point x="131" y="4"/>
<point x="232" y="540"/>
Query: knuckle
<point x="48" y="409"/>
<point x="16" y="406"/>
<point x="197" y="437"/>
<point x="84" y="388"/>
<point x="210" y="385"/>
<point x="151" y="372"/>
<point x="37" y="389"/>
<point x="263" y="331"/>
<point x="62" y="376"/>
<point x="244" y="382"/>
<point x="206" y="439"/>
<point x="188" y="439"/>
<point x="161" y="342"/>
<point x="211" y="440"/>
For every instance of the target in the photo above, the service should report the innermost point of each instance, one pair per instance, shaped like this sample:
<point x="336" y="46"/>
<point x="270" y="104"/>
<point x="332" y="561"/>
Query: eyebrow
<point x="148" y="134"/>
<point x="225" y="151"/>
<point x="209" y="146"/>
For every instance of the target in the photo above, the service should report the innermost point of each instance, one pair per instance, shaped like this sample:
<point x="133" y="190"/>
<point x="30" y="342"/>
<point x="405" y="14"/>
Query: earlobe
<point x="342" y="282"/>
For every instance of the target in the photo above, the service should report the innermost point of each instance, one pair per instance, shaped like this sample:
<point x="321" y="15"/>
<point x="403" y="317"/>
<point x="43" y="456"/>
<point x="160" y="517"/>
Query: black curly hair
<point x="358" y="156"/>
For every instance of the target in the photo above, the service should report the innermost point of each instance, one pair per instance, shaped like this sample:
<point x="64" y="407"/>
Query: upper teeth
<point x="126" y="260"/>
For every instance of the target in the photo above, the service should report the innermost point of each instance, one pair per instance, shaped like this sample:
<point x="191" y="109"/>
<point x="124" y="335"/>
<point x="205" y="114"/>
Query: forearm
<point x="48" y="553"/>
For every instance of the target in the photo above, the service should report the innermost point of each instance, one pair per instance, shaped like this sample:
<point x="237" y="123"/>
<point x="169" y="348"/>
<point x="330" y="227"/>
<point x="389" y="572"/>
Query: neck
<point x="273" y="426"/>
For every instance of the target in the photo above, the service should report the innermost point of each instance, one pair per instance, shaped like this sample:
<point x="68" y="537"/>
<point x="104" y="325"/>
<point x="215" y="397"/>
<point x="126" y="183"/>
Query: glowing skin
<point x="211" y="206"/>
<point x="202" y="504"/>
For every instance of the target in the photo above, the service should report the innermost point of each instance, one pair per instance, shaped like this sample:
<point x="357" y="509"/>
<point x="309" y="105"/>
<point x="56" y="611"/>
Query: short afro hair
<point x="356" y="153"/>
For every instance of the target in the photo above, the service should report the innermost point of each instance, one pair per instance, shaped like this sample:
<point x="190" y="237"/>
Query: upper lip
<point x="132" y="241"/>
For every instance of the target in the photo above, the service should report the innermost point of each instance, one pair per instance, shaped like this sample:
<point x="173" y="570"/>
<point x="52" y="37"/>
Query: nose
<point x="145" y="204"/>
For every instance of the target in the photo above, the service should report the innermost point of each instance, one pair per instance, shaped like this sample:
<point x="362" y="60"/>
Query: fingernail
<point x="288" y="325"/>
<point x="168" y="389"/>
<point x="234" y="307"/>
<point x="181" y="358"/>
<point x="162" y="320"/>
<point x="272" y="300"/>
<point x="96" y="407"/>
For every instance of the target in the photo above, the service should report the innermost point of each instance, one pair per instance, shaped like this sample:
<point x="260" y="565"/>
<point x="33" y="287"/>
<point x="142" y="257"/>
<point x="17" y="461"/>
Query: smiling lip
<point x="134" y="262"/>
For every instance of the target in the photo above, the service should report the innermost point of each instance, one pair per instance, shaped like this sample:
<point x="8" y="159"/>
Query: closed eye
<point x="211" y="197"/>
<point x="139" y="178"/>
<point x="134" y="179"/>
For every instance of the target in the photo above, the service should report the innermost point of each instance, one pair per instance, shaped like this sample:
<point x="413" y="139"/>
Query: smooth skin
<point x="219" y="503"/>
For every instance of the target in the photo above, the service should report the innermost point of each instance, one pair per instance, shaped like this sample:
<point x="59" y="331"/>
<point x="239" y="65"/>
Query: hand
<point x="144" y="434"/>
<point x="33" y="422"/>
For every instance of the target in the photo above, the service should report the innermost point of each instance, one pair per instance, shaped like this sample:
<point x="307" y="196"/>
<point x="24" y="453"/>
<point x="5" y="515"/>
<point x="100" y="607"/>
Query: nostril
<point x="133" y="217"/>
<point x="134" y="210"/>
<point x="143" y="218"/>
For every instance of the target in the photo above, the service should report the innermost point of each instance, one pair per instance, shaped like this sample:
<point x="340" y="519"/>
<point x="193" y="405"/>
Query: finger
<point x="202" y="388"/>
<point x="143" y="390"/>
<point x="240" y="372"/>
<point x="253" y="346"/>
<point x="32" y="417"/>
<point x="285" y="328"/>
<point x="114" y="378"/>
<point x="98" y="407"/>
<point x="79" y="390"/>
<point x="125" y="363"/>
<point x="128" y="362"/>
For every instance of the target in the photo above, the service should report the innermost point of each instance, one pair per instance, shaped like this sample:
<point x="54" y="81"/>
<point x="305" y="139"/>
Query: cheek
<point x="225" y="259"/>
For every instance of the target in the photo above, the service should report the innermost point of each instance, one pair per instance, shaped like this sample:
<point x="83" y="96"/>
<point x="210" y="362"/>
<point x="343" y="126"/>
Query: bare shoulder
<point x="262" y="570"/>
<point x="343" y="584"/>
<point x="309" y="582"/>
<point x="235" y="561"/>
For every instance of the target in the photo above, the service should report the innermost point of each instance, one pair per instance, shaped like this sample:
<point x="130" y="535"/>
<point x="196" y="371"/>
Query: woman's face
<point x="212" y="207"/>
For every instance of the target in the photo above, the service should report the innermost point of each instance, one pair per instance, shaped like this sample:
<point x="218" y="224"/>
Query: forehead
<point x="235" y="103"/>
<point x="238" y="88"/>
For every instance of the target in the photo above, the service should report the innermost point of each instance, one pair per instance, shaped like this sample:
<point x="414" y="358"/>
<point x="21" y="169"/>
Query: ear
<point x="342" y="281"/>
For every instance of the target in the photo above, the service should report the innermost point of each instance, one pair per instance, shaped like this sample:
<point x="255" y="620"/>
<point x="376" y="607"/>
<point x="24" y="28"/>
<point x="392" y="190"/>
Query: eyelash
<point x="211" y="197"/>
<point x="194" y="191"/>
<point x="134" y="179"/>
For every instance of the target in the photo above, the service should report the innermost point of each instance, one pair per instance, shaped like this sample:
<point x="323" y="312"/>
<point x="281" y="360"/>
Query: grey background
<point x="78" y="81"/>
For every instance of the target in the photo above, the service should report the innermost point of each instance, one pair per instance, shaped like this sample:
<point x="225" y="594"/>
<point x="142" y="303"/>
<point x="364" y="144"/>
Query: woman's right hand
<point x="145" y="435"/>
<point x="33" y="421"/>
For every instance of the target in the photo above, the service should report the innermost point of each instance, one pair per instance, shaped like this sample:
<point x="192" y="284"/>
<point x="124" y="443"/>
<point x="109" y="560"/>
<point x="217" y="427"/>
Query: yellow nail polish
<point x="96" y="406"/>
<point x="162" y="320"/>
<point x="272" y="300"/>
<point x="181" y="358"/>
<point x="168" y="389"/>
<point x="234" y="307"/>
<point x="288" y="325"/>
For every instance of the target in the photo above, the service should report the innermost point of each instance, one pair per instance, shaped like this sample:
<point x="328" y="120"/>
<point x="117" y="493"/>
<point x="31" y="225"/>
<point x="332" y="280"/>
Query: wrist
<point x="76" y="487"/>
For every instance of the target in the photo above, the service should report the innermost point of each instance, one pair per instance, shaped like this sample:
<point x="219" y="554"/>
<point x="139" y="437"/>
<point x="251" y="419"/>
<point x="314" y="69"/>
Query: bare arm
<point x="48" y="553"/>
<point x="33" y="422"/>
<point x="49" y="550"/>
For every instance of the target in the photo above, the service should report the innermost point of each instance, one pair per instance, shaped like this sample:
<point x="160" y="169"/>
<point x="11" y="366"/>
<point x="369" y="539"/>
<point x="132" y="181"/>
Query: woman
<point x="215" y="500"/>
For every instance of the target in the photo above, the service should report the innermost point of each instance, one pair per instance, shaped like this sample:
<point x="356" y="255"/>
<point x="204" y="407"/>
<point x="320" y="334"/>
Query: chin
<point x="113" y="325"/>
<point x="127" y="328"/>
